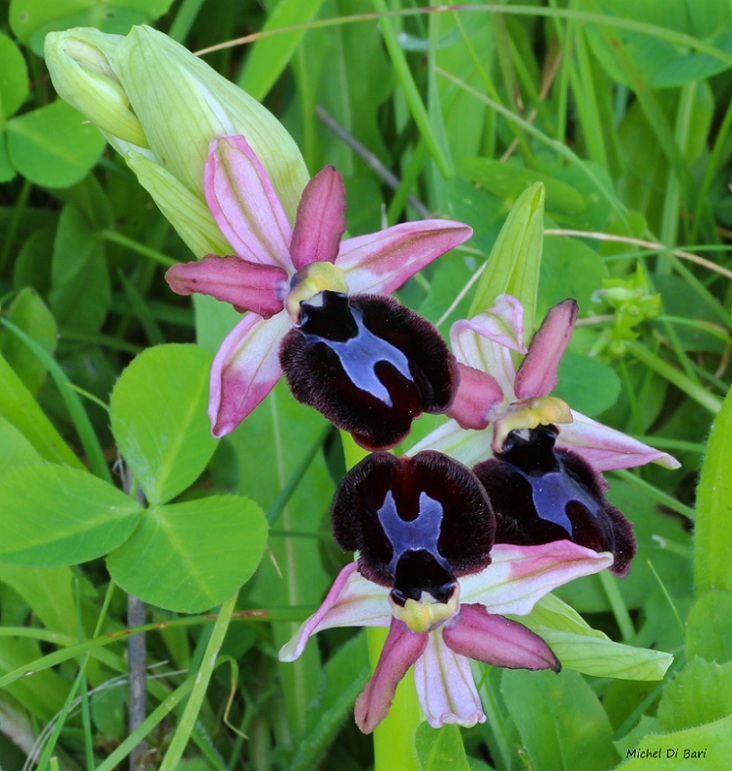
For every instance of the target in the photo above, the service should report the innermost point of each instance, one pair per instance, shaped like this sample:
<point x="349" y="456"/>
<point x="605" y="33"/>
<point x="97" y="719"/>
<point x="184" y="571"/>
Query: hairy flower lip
<point x="248" y="212"/>
<point x="540" y="493"/>
<point x="418" y="524"/>
<point x="378" y="368"/>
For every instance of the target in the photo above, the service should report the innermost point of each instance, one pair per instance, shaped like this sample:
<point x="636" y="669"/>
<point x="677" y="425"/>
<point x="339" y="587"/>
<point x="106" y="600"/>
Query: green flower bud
<point x="183" y="105"/>
<point x="82" y="75"/>
<point x="158" y="104"/>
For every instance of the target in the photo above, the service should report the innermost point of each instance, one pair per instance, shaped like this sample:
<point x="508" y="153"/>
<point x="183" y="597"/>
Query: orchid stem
<point x="394" y="748"/>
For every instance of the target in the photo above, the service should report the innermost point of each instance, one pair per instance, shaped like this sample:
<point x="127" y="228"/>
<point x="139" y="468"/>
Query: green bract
<point x="157" y="103"/>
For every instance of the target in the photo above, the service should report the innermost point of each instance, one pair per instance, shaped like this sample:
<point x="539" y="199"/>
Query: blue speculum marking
<point x="420" y="534"/>
<point x="360" y="354"/>
<point x="552" y="492"/>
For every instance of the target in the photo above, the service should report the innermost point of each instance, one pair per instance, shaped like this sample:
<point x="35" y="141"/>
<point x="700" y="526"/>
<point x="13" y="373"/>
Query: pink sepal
<point x="607" y="449"/>
<point x="245" y="369"/>
<point x="248" y="286"/>
<point x="497" y="641"/>
<point x="351" y="601"/>
<point x="401" y="649"/>
<point x="477" y="392"/>
<point x="519" y="576"/>
<point x="379" y="263"/>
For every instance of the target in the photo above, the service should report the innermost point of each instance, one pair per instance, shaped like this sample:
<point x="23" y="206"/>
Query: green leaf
<point x="440" y="748"/>
<point x="507" y="181"/>
<point x="159" y="421"/>
<point x="54" y="516"/>
<point x="43" y="694"/>
<point x="514" y="262"/>
<point x="663" y="64"/>
<point x="709" y="626"/>
<point x="580" y="647"/>
<point x="32" y="266"/>
<point x="7" y="170"/>
<point x="700" y="693"/>
<point x="53" y="146"/>
<point x="18" y="407"/>
<point x="80" y="288"/>
<point x="188" y="557"/>
<point x="15" y="449"/>
<point x="601" y="657"/>
<point x="48" y="593"/>
<point x="569" y="268"/>
<point x="28" y="15"/>
<point x="707" y="746"/>
<point x="344" y="677"/>
<point x="30" y="20"/>
<point x="560" y="719"/>
<point x="587" y="384"/>
<point x="30" y="313"/>
<point x="713" y="527"/>
<point x="269" y="57"/>
<point x="13" y="77"/>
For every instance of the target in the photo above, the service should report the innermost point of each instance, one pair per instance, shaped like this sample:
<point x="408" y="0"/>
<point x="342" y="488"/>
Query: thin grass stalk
<point x="203" y="677"/>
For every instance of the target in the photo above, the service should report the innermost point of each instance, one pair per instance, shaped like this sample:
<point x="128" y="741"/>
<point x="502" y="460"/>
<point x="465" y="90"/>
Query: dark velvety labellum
<point x="541" y="494"/>
<point x="418" y="522"/>
<point x="368" y="364"/>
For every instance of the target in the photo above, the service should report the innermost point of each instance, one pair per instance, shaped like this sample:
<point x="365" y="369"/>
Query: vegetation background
<point x="624" y="116"/>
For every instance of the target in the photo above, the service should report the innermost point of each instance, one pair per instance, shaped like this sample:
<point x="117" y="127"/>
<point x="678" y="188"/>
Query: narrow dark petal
<point x="418" y="522"/>
<point x="369" y="365"/>
<point x="498" y="641"/>
<point x="401" y="649"/>
<point x="540" y="495"/>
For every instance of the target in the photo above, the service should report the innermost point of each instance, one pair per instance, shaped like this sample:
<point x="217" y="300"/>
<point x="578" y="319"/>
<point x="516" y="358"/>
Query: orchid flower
<point x="428" y="570"/>
<point x="494" y="392"/>
<point x="473" y="627"/>
<point x="303" y="285"/>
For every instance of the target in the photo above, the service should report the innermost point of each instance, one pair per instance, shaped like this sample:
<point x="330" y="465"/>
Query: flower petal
<point x="477" y="392"/>
<point x="246" y="285"/>
<point x="321" y="220"/>
<point x="381" y="262"/>
<point x="445" y="686"/>
<point x="468" y="447"/>
<point x="537" y="375"/>
<point x="401" y="649"/>
<point x="607" y="449"/>
<point x="351" y="601"/>
<point x="245" y="370"/>
<point x="497" y="641"/>
<point x="245" y="205"/>
<point x="519" y="576"/>
<point x="503" y="324"/>
<point x="486" y="341"/>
